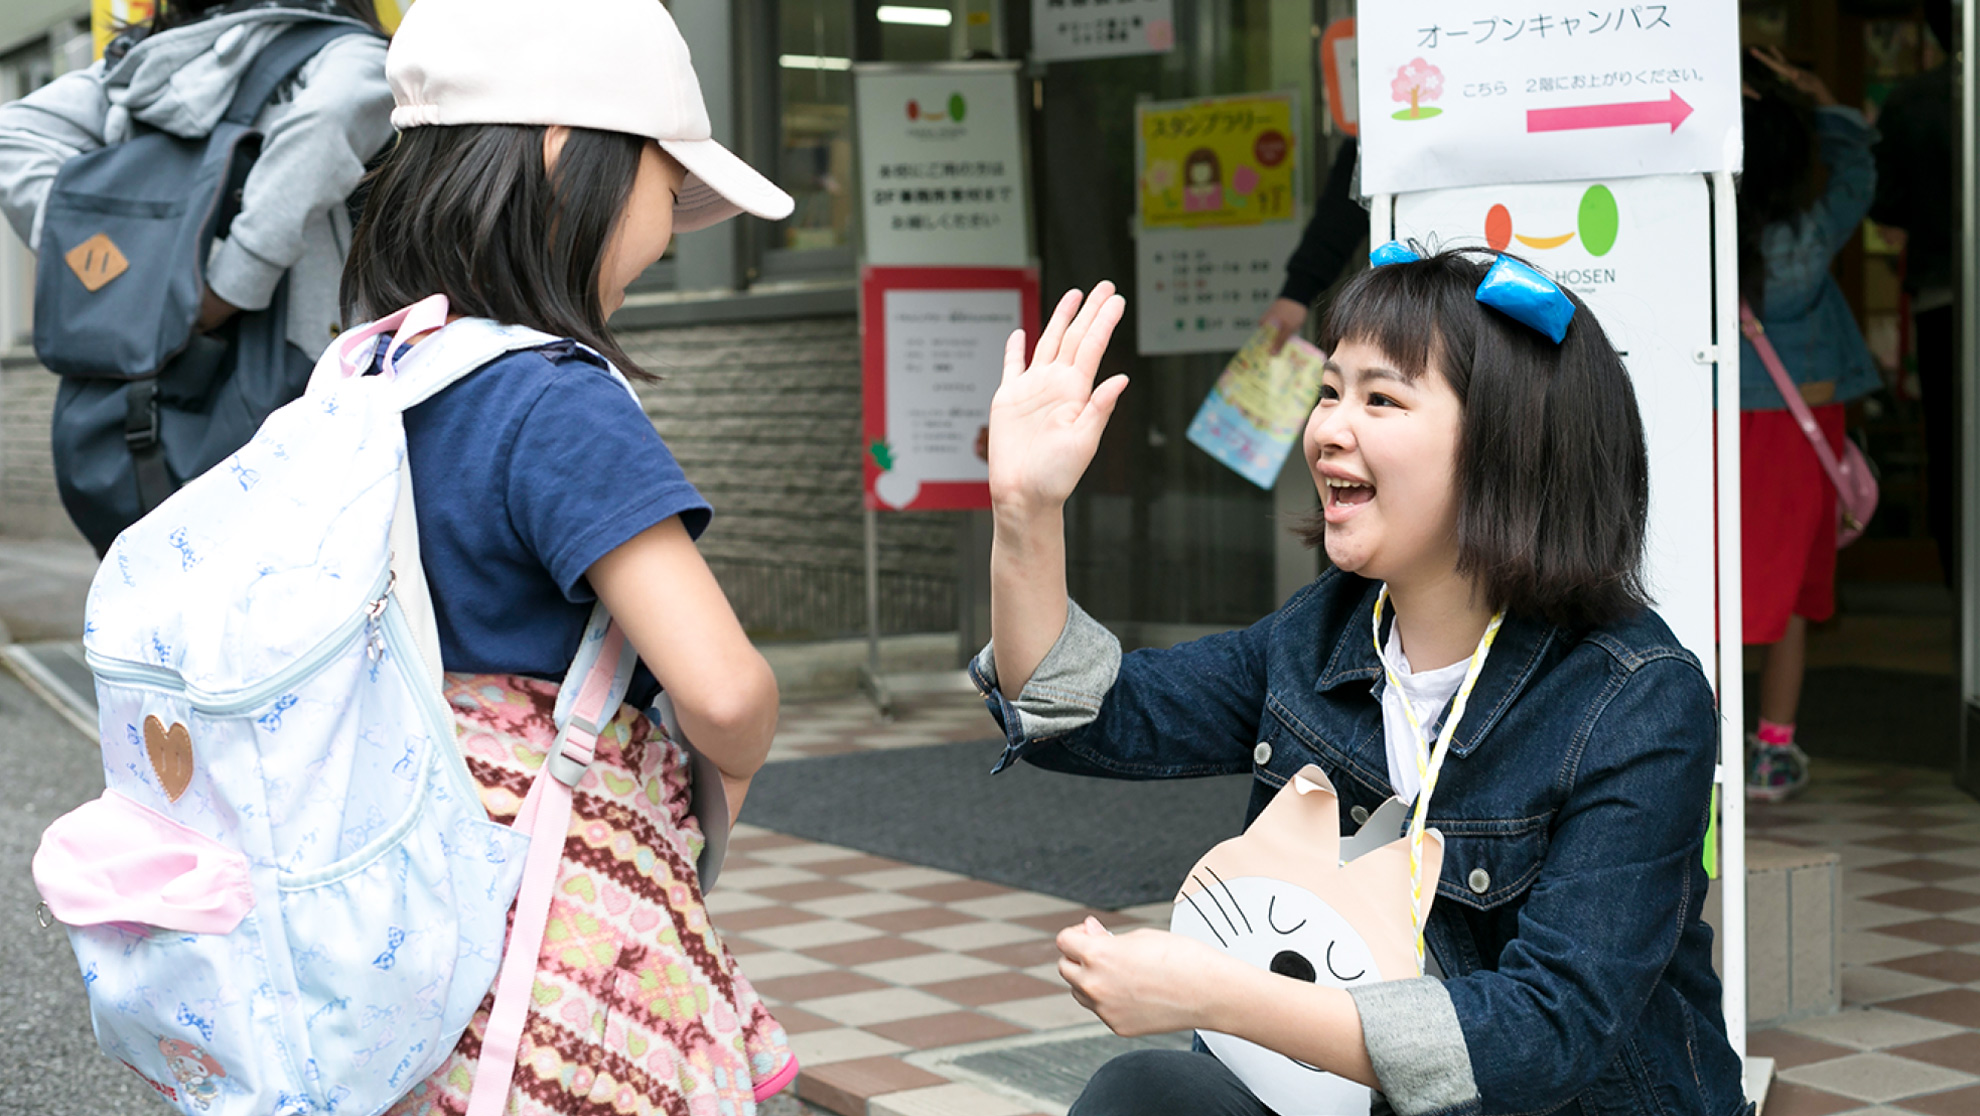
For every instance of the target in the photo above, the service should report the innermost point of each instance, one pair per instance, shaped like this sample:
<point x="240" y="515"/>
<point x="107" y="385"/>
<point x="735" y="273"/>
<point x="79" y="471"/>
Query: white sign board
<point x="941" y="163"/>
<point x="1458" y="93"/>
<point x="1638" y="251"/>
<point x="1203" y="290"/>
<point x="945" y="354"/>
<point x="1068" y="30"/>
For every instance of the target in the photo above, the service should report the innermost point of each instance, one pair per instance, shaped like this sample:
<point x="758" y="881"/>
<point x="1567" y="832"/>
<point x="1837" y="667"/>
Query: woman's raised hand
<point x="1045" y="420"/>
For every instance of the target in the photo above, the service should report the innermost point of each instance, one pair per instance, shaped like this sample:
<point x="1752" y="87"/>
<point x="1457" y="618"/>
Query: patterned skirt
<point x="639" y="1007"/>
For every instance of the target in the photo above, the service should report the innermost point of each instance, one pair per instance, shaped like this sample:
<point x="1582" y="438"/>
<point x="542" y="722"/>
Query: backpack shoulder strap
<point x="586" y="704"/>
<point x="278" y="61"/>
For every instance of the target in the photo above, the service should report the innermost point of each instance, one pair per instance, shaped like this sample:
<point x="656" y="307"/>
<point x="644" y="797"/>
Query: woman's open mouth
<point x="1344" y="496"/>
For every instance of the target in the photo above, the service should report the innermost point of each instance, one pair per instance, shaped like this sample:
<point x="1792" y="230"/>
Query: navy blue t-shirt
<point x="525" y="473"/>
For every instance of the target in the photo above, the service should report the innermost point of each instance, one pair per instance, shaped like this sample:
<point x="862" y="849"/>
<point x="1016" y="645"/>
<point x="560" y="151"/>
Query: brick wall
<point x="764" y="417"/>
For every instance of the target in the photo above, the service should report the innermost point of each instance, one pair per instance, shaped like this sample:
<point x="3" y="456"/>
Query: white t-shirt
<point x="1427" y="693"/>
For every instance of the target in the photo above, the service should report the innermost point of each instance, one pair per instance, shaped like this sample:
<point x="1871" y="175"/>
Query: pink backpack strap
<point x="428" y="314"/>
<point x="589" y="700"/>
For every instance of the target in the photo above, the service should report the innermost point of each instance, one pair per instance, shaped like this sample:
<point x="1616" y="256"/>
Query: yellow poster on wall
<point x="106" y="17"/>
<point x="1217" y="161"/>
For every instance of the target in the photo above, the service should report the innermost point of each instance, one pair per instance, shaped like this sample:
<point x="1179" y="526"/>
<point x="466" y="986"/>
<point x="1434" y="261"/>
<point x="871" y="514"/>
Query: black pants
<point x="1938" y="381"/>
<point x="1165" y="1082"/>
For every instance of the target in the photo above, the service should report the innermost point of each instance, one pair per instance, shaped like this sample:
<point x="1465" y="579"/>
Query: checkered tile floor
<point x="869" y="961"/>
<point x="865" y="960"/>
<point x="1908" y="1037"/>
<point x="832" y="726"/>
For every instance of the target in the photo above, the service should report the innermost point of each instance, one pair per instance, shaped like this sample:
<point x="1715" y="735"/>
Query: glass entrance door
<point x="1163" y="542"/>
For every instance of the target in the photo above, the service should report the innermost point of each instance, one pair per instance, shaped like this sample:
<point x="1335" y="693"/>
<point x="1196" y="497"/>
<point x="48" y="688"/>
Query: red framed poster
<point x="932" y="352"/>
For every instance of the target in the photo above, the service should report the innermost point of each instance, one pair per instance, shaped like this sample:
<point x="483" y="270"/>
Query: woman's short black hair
<point x="1553" y="476"/>
<point x="470" y="212"/>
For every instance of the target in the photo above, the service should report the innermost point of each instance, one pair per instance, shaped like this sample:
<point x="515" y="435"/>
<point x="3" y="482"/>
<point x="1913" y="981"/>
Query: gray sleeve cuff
<point x="1066" y="690"/>
<point x="1417" y="1047"/>
<point x="241" y="277"/>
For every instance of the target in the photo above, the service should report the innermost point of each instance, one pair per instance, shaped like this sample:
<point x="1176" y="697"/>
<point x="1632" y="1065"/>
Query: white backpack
<point x="289" y="899"/>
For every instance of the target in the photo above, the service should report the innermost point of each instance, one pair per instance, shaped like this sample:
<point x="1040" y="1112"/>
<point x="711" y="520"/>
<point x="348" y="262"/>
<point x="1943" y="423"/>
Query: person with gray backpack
<point x="187" y="198"/>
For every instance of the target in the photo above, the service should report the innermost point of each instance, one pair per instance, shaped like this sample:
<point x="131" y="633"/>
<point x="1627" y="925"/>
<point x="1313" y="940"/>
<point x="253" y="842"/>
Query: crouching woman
<point x="1482" y="640"/>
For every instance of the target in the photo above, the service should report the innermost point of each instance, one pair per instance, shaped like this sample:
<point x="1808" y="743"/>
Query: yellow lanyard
<point x="1429" y="763"/>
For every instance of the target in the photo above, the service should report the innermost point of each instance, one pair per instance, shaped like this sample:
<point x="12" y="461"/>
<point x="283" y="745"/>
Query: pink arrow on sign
<point x="1673" y="112"/>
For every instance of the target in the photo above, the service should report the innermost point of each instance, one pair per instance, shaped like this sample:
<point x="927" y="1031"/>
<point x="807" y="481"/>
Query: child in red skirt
<point x="1788" y="236"/>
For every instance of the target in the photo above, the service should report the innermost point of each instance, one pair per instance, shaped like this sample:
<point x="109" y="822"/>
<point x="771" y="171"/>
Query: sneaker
<point x="1774" y="772"/>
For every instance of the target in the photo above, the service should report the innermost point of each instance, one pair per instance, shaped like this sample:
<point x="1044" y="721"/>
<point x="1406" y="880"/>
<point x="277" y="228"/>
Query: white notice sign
<point x="945" y="353"/>
<point x="941" y="167"/>
<point x="1639" y="252"/>
<point x="1462" y="93"/>
<point x="1065" y="30"/>
<point x="1203" y="290"/>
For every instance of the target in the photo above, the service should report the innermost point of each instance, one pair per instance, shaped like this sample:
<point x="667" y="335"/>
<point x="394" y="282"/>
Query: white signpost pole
<point x="1732" y="698"/>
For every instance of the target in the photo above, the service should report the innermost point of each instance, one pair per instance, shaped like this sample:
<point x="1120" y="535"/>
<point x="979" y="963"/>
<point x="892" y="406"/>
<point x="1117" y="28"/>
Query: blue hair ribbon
<point x="1512" y="288"/>
<point x="1395" y="251"/>
<point x="1528" y="297"/>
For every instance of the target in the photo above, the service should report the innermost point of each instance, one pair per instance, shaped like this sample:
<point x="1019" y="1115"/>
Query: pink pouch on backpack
<point x="115" y="860"/>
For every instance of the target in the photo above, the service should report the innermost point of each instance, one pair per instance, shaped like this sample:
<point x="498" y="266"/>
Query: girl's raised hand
<point x="1045" y="420"/>
<point x="1806" y="82"/>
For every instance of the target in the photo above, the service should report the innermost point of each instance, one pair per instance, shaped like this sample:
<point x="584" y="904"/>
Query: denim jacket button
<point x="1480" y="881"/>
<point x="1262" y="754"/>
<point x="1359" y="814"/>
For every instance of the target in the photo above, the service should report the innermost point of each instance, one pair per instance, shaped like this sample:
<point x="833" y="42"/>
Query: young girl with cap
<point x="545" y="158"/>
<point x="1481" y="647"/>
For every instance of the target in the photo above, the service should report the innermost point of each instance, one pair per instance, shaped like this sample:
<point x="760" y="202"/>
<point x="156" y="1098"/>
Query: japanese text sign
<point x="932" y="341"/>
<point x="1203" y="290"/>
<point x="1066" y="30"/>
<point x="942" y="178"/>
<point x="1463" y="93"/>
<point x="1217" y="162"/>
<point x="1638" y="251"/>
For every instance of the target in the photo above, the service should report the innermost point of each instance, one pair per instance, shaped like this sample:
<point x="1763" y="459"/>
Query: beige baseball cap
<point x="613" y="65"/>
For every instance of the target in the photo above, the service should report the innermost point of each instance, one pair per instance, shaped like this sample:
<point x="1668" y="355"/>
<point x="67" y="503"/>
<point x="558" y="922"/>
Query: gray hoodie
<point x="318" y="132"/>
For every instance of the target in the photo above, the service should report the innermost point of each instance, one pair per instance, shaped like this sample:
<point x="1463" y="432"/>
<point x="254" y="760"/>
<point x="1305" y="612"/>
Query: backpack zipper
<point x="228" y="703"/>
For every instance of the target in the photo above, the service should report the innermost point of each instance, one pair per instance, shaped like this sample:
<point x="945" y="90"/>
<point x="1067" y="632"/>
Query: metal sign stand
<point x="883" y="688"/>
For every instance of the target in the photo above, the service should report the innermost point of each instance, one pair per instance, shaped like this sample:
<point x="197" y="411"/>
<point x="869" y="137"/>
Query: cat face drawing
<point x="1290" y="896"/>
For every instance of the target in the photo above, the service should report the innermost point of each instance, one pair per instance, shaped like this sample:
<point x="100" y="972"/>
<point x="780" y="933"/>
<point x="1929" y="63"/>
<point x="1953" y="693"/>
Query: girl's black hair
<point x="1553" y="476"/>
<point x="178" y="13"/>
<point x="1778" y="182"/>
<point x="470" y="212"/>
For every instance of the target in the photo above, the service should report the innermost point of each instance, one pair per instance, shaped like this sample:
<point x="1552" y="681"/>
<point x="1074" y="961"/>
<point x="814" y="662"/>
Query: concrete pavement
<point x="49" y="1063"/>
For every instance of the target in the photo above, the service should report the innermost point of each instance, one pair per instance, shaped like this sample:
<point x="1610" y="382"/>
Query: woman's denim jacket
<point x="1573" y="807"/>
<point x="1805" y="315"/>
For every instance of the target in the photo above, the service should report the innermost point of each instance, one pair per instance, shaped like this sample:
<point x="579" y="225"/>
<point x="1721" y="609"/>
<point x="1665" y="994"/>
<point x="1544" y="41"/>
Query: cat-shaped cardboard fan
<point x="1289" y="895"/>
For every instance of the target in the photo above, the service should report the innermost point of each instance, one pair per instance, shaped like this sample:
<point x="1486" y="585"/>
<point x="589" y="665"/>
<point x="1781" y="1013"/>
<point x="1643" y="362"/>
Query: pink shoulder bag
<point x="1856" y="487"/>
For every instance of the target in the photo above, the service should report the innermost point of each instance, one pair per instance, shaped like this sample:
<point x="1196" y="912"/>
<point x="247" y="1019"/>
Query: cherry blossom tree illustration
<point x="1417" y="82"/>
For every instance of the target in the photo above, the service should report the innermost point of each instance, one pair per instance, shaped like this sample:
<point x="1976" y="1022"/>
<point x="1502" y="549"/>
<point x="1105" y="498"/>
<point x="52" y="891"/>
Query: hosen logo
<point x="1597" y="221"/>
<point x="956" y="109"/>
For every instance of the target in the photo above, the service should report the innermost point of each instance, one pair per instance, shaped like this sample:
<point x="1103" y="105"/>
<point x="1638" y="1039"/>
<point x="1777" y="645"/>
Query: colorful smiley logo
<point x="957" y="109"/>
<point x="1598" y="221"/>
